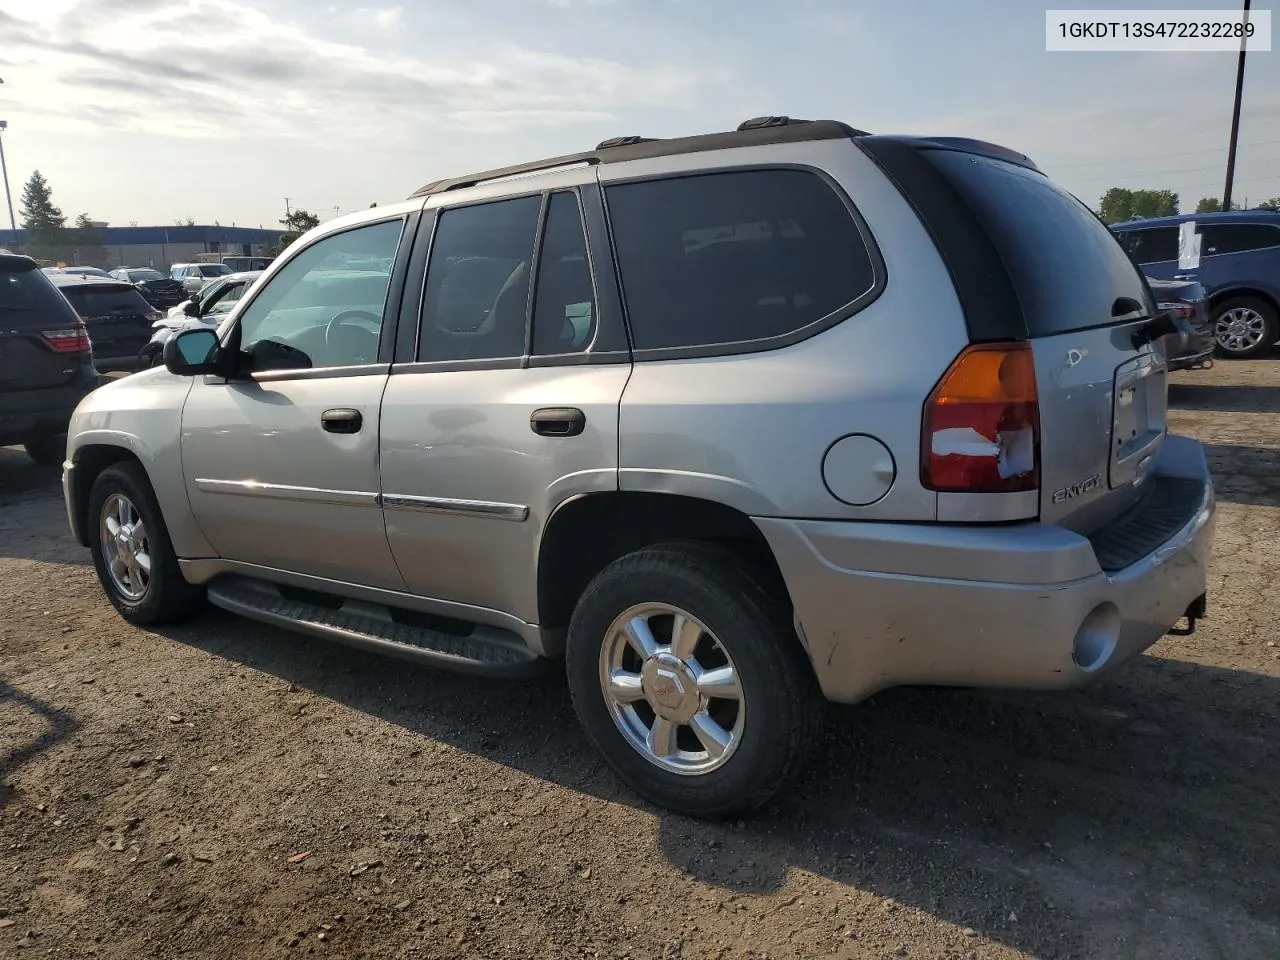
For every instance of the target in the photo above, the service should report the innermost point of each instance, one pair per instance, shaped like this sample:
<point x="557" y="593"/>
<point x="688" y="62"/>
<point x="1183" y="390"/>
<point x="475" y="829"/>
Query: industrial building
<point x="159" y="247"/>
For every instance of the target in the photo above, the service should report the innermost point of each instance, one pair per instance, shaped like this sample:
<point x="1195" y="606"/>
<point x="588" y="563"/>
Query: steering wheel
<point x="342" y="336"/>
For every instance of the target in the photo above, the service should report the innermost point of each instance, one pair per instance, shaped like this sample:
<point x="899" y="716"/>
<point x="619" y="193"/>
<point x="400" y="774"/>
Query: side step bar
<point x="486" y="650"/>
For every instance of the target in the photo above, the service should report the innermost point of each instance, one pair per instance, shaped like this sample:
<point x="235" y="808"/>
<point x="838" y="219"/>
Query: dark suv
<point x="117" y="315"/>
<point x="1239" y="269"/>
<point x="46" y="363"/>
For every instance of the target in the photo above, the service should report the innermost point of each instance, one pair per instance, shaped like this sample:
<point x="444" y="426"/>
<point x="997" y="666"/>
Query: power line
<point x="1184" y="153"/>
<point x="1161" y="173"/>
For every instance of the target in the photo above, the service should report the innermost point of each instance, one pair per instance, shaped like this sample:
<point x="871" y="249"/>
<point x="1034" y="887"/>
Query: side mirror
<point x="192" y="353"/>
<point x="191" y="308"/>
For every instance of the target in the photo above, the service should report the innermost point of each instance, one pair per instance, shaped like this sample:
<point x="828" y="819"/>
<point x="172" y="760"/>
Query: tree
<point x="44" y="222"/>
<point x="89" y="250"/>
<point x="185" y="222"/>
<point x="1120" y="203"/>
<point x="1272" y="204"/>
<point x="296" y="223"/>
<point x="1209" y="205"/>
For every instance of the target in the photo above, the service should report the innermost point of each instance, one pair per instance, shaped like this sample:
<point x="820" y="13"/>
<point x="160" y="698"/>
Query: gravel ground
<point x="228" y="790"/>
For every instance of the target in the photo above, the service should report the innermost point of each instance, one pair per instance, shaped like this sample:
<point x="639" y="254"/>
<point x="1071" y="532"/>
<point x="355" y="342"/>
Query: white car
<point x="193" y="276"/>
<point x="208" y="308"/>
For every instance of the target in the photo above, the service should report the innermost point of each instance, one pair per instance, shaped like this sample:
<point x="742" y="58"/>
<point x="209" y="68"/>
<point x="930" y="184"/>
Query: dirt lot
<point x="154" y="789"/>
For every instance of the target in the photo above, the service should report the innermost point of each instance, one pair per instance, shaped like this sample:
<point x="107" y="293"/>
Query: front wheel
<point x="686" y="673"/>
<point x="1245" y="327"/>
<point x="135" y="561"/>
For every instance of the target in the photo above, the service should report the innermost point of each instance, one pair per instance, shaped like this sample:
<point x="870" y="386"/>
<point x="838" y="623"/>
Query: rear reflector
<point x="1179" y="309"/>
<point x="68" y="339"/>
<point x="982" y="423"/>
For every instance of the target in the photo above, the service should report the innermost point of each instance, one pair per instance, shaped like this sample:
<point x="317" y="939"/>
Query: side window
<point x="325" y="307"/>
<point x="730" y="257"/>
<point x="1239" y="237"/>
<point x="564" y="307"/>
<point x="229" y="297"/>
<point x="1154" y="245"/>
<point x="476" y="299"/>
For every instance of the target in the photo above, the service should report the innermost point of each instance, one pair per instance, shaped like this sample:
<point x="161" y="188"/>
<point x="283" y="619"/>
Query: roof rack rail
<point x="755" y="123"/>
<point x="622" y="142"/>
<point x="756" y="132"/>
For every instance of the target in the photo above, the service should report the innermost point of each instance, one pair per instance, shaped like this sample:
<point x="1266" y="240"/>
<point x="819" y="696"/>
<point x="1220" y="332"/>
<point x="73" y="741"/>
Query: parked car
<point x="157" y="289"/>
<point x="46" y="361"/>
<point x="87" y="272"/>
<point x="1239" y="269"/>
<point x="732" y="423"/>
<point x="118" y="318"/>
<point x="1191" y="345"/>
<point x="209" y="308"/>
<point x="193" y="276"/>
<point x="245" y="264"/>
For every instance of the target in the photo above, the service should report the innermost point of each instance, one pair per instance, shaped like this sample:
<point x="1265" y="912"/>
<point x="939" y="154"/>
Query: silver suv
<point x="731" y="424"/>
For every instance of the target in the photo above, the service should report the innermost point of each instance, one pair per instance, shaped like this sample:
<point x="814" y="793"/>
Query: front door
<point x="511" y="407"/>
<point x="281" y="467"/>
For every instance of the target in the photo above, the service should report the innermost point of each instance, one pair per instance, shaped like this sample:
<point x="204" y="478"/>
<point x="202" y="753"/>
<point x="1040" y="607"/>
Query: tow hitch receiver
<point x="1194" y="612"/>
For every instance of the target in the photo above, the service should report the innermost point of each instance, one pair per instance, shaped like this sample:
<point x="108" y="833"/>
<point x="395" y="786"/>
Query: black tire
<point x="47" y="451"/>
<point x="783" y="707"/>
<point x="167" y="597"/>
<point x="150" y="356"/>
<point x="1271" y="326"/>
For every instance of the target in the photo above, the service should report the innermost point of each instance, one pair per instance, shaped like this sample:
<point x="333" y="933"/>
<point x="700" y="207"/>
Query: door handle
<point x="558" y="421"/>
<point x="342" y="420"/>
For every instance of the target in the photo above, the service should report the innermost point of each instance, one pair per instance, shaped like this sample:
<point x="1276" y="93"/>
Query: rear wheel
<point x="47" y="451"/>
<point x="134" y="559"/>
<point x="687" y="675"/>
<point x="1245" y="327"/>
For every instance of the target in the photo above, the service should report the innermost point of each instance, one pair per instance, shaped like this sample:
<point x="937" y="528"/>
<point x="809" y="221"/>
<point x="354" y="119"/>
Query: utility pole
<point x="8" y="197"/>
<point x="287" y="212"/>
<point x="1235" y="116"/>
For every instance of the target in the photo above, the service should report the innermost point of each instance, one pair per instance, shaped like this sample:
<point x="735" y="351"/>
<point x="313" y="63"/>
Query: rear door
<point x="35" y="350"/>
<point x="1155" y="250"/>
<point x="1102" y="392"/>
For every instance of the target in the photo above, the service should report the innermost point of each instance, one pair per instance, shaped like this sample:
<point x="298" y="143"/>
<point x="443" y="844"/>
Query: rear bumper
<point x="1016" y="606"/>
<point x="25" y="414"/>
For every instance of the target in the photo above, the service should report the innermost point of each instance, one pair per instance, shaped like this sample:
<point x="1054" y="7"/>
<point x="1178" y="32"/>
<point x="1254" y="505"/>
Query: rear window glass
<point x="104" y="301"/>
<point x="734" y="257"/>
<point x="1068" y="269"/>
<point x="28" y="290"/>
<point x="137" y="276"/>
<point x="1239" y="237"/>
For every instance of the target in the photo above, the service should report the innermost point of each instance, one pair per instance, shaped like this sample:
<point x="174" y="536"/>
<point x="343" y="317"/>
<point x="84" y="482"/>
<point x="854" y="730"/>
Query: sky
<point x="153" y="111"/>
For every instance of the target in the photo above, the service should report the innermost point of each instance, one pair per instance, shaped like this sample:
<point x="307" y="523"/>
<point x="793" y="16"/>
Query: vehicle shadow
<point x="20" y="477"/>
<point x="1227" y="398"/>
<point x="1044" y="821"/>
<point x="1245" y="474"/>
<point x="17" y="750"/>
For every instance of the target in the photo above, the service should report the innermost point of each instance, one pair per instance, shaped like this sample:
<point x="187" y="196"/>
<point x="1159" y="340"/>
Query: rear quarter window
<point x="1239" y="237"/>
<point x="737" y="259"/>
<point x="1068" y="269"/>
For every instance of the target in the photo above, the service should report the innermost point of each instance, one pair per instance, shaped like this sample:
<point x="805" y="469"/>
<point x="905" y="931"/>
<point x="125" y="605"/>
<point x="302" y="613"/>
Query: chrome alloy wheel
<point x="672" y="689"/>
<point x="1240" y="329"/>
<point x="125" y="548"/>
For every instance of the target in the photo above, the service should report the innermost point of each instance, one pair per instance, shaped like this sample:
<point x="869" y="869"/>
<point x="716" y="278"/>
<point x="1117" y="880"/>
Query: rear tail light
<point x="68" y="339"/>
<point x="982" y="423"/>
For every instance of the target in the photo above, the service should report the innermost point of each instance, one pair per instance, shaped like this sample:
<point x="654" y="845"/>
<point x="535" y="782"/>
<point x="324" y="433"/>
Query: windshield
<point x="214" y="269"/>
<point x="138" y="276"/>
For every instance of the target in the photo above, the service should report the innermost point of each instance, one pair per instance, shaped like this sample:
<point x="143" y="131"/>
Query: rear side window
<point x="1239" y="237"/>
<point x="105" y="301"/>
<point x="735" y="257"/>
<point x="476" y="300"/>
<point x="564" y="312"/>
<point x="1154" y="245"/>
<point x="27" y="291"/>
<point x="1068" y="269"/>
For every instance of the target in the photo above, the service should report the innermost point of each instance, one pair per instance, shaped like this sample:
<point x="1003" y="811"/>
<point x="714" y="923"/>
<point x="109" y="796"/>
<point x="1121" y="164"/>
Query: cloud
<point x="385" y="18"/>
<point x="246" y="73"/>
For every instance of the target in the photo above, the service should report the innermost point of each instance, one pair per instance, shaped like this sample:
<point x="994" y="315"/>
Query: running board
<point x="488" y="651"/>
